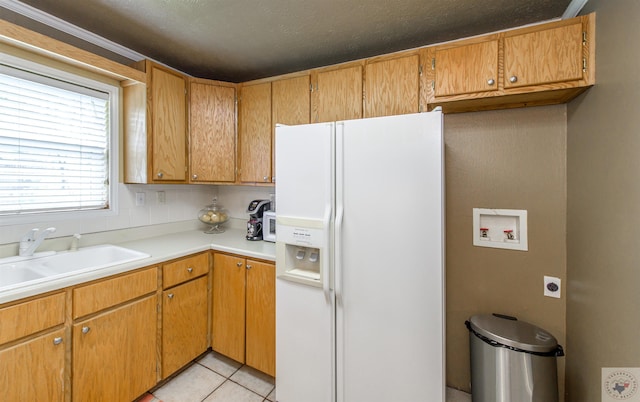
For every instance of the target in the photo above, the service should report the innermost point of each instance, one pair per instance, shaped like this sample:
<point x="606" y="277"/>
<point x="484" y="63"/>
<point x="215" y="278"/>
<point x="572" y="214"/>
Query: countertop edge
<point x="161" y="249"/>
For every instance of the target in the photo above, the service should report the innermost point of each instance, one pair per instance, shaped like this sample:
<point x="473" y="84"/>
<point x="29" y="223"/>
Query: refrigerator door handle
<point x="339" y="183"/>
<point x="326" y="263"/>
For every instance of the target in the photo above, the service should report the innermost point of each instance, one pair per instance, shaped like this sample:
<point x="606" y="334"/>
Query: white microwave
<point x="269" y="226"/>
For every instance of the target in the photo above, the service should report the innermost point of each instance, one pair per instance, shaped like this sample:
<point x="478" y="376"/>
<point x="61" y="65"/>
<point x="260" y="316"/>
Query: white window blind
<point x="54" y="142"/>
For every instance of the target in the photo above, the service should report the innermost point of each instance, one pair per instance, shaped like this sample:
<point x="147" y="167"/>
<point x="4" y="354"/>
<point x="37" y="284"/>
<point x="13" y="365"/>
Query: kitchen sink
<point x="12" y="274"/>
<point x="15" y="271"/>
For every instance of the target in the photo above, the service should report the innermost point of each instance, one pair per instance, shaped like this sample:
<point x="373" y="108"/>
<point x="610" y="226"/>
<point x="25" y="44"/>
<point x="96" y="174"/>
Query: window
<point x="56" y="132"/>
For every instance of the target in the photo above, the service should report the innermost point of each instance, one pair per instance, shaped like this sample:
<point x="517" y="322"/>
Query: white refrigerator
<point x="360" y="261"/>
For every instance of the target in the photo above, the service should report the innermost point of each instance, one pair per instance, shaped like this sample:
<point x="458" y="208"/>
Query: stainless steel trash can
<point x="512" y="360"/>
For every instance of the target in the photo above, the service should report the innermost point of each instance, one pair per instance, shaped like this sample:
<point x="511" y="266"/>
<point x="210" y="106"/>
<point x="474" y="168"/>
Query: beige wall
<point x="603" y="198"/>
<point x="512" y="159"/>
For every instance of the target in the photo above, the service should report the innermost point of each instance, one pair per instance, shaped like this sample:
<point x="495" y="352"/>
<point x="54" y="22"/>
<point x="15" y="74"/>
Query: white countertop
<point x="160" y="248"/>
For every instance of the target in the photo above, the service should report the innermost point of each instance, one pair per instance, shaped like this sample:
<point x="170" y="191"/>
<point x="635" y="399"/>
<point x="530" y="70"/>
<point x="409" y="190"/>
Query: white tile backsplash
<point x="236" y="199"/>
<point x="182" y="204"/>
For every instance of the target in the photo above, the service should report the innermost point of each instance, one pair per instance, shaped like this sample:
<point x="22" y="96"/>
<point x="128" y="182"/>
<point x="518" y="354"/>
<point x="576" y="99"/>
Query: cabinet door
<point x="212" y="133"/>
<point x="184" y="324"/>
<point x="466" y="69"/>
<point x="255" y="133"/>
<point x="543" y="57"/>
<point x="338" y="95"/>
<point x="228" y="330"/>
<point x="291" y="105"/>
<point x="114" y="354"/>
<point x="392" y="86"/>
<point x="168" y="125"/>
<point x="261" y="316"/>
<point x="34" y="370"/>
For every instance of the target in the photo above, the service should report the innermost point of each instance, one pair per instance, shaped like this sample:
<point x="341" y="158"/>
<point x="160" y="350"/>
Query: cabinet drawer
<point x="30" y="317"/>
<point x="184" y="270"/>
<point x="98" y="296"/>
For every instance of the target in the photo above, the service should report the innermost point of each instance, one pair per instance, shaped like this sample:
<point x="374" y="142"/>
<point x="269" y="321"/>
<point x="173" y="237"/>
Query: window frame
<point x="115" y="93"/>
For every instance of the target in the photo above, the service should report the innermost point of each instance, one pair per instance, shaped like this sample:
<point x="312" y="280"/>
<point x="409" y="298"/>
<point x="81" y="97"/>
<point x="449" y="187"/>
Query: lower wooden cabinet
<point x="244" y="311"/>
<point x="114" y="353"/>
<point x="34" y="370"/>
<point x="184" y="324"/>
<point x="261" y="317"/>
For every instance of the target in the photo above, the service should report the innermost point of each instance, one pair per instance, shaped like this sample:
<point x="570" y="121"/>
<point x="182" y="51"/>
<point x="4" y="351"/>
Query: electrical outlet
<point x="139" y="199"/>
<point x="161" y="197"/>
<point x="552" y="286"/>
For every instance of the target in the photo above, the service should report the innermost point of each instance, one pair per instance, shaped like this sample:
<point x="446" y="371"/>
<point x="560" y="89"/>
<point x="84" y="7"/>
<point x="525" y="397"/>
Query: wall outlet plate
<point x="552" y="286"/>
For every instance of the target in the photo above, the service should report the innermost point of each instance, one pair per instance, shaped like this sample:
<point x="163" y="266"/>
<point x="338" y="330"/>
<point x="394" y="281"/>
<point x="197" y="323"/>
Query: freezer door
<point x="305" y="323"/>
<point x="389" y="259"/>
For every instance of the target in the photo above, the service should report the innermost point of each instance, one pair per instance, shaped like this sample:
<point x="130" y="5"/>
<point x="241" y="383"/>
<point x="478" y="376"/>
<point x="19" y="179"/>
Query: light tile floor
<point x="216" y="378"/>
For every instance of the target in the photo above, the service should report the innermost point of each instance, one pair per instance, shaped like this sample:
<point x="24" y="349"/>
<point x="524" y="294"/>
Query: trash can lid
<point x="511" y="332"/>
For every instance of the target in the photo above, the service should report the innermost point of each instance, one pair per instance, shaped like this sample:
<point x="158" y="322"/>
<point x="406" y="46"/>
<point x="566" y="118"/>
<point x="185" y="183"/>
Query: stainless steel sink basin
<point x="16" y="271"/>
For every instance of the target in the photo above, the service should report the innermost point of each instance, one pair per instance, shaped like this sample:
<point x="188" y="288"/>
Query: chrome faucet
<point x="32" y="240"/>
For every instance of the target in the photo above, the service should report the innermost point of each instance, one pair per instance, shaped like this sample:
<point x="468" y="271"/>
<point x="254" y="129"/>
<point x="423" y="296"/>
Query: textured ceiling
<point x="240" y="40"/>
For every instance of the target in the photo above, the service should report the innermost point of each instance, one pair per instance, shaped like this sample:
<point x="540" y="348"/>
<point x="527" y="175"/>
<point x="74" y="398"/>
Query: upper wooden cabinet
<point x="392" y="85"/>
<point x="290" y="105"/>
<point x="290" y="101"/>
<point x="466" y="69"/>
<point x="212" y="132"/>
<point x="167" y="99"/>
<point x="544" y="57"/>
<point x="254" y="133"/>
<point x="537" y="65"/>
<point x="337" y="94"/>
<point x="155" y="127"/>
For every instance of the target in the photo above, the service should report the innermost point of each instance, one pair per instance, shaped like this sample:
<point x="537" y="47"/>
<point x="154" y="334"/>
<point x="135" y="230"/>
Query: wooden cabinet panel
<point x="291" y="105"/>
<point x="466" y="69"/>
<point x="98" y="296"/>
<point x="30" y="317"/>
<point x="228" y="329"/>
<point x="261" y="317"/>
<point x="290" y="101"/>
<point x="392" y="86"/>
<point x="184" y="324"/>
<point x="212" y="133"/>
<point x="168" y="125"/>
<point x="34" y="370"/>
<point x="254" y="133"/>
<point x="338" y="95"/>
<point x="543" y="57"/>
<point x="185" y="269"/>
<point x="114" y="354"/>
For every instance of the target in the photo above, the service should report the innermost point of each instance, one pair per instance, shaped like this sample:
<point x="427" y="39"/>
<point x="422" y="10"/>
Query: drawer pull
<point x="189" y="270"/>
<point x="85" y="330"/>
<point x="513" y="79"/>
<point x="170" y="295"/>
<point x="57" y="340"/>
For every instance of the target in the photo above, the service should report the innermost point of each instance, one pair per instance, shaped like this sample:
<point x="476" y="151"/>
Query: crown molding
<point x="73" y="30"/>
<point x="574" y="8"/>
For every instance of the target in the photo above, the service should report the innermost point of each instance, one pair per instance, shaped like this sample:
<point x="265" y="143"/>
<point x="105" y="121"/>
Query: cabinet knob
<point x="248" y="266"/>
<point x="170" y="295"/>
<point x="57" y="340"/>
<point x="265" y="178"/>
<point x="513" y="79"/>
<point x="160" y="174"/>
<point x="194" y="177"/>
<point x="491" y="81"/>
<point x="189" y="270"/>
<point x="238" y="264"/>
<point x="85" y="330"/>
